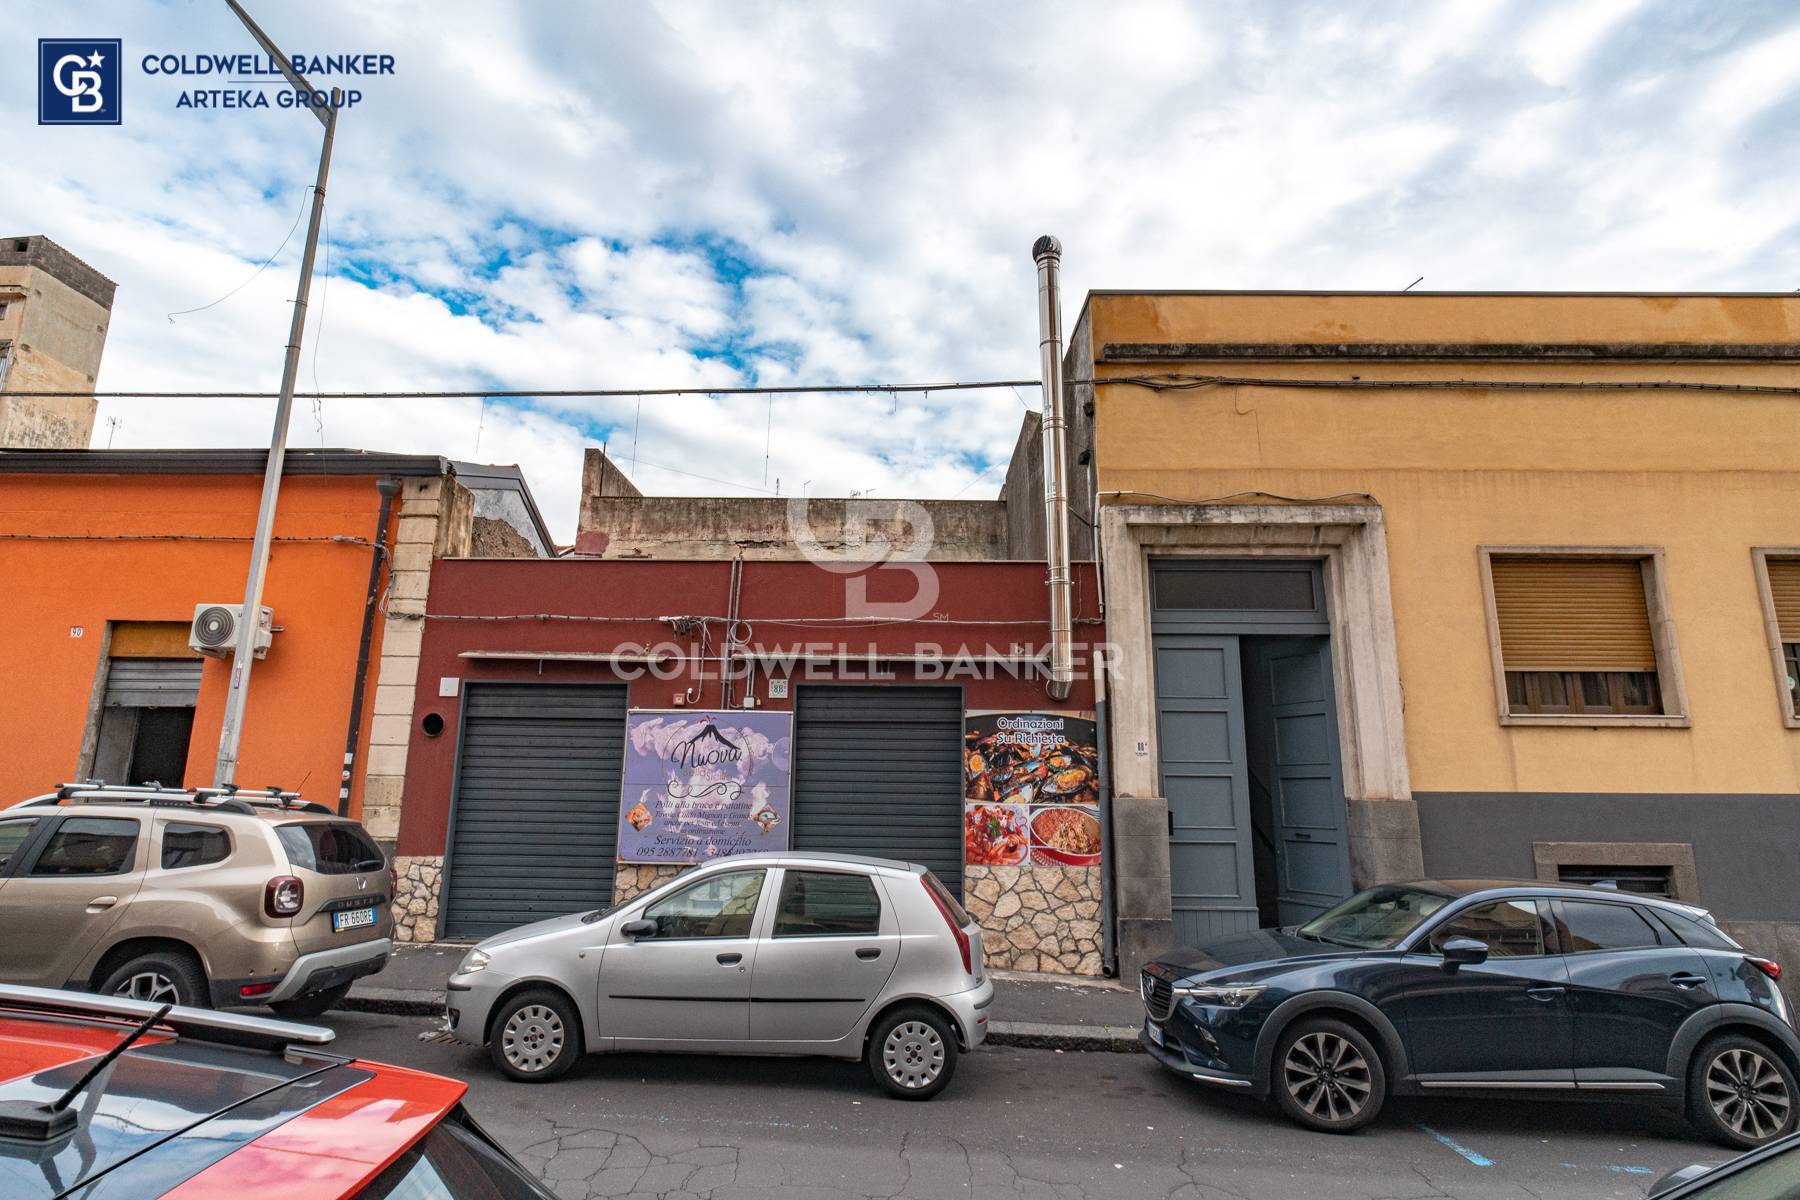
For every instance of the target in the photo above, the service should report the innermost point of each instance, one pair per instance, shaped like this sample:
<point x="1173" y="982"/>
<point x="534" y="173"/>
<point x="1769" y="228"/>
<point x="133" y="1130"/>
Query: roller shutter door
<point x="153" y="683"/>
<point x="878" y="771"/>
<point x="536" y="819"/>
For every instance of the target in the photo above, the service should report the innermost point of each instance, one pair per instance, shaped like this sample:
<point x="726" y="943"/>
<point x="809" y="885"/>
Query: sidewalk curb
<point x="1114" y="1039"/>
<point x="394" y="1002"/>
<point x="1107" y="1039"/>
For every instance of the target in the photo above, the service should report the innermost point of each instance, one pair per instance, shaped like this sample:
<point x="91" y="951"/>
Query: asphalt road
<point x="1015" y="1124"/>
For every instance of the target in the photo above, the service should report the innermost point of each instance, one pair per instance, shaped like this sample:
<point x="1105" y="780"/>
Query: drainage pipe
<point x="1047" y="252"/>
<point x="389" y="488"/>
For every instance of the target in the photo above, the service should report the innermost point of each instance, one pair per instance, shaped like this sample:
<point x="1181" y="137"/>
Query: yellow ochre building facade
<point x="1456" y="585"/>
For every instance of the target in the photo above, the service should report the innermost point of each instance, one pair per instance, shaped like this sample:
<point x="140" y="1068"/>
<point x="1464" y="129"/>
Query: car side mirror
<point x="638" y="928"/>
<point x="1461" y="951"/>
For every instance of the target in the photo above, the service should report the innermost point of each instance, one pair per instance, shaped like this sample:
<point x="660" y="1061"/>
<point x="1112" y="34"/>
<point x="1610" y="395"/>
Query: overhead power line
<point x="562" y="393"/>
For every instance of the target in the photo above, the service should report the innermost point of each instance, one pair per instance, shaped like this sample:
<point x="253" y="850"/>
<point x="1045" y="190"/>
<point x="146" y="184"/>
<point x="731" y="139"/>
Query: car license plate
<point x="354" y="918"/>
<point x="1155" y="1031"/>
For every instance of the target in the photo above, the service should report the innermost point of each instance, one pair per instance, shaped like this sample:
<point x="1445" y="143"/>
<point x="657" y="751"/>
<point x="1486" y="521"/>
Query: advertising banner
<point x="1031" y="790"/>
<point x="700" y="784"/>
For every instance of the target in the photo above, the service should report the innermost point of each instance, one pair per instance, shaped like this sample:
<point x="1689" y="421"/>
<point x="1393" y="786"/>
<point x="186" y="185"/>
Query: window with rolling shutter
<point x="1784" y="593"/>
<point x="1575" y="635"/>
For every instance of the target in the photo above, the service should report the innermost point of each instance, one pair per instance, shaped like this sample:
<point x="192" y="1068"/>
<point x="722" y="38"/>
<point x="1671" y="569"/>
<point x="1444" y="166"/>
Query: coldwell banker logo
<point x="78" y="81"/>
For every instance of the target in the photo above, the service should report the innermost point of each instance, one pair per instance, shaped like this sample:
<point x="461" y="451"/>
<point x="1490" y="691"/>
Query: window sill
<point x="1598" y="720"/>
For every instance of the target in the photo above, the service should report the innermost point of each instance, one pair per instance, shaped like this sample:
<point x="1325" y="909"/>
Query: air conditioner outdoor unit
<point x="215" y="630"/>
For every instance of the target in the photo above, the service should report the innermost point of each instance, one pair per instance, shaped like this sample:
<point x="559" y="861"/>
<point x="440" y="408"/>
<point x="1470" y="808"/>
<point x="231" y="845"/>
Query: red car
<point x="104" y="1098"/>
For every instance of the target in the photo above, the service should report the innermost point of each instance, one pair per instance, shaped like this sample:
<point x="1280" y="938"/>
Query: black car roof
<point x="1470" y="887"/>
<point x="162" y="1112"/>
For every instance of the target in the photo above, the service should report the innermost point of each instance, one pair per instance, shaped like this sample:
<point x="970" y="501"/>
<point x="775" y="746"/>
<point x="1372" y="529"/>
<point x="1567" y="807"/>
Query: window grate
<point x="1790" y="657"/>
<point x="1641" y="881"/>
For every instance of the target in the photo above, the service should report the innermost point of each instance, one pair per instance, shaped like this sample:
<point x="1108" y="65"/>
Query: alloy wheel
<point x="1747" y="1093"/>
<point x="913" y="1054"/>
<point x="532" y="1038"/>
<point x="1327" y="1076"/>
<point x="153" y="986"/>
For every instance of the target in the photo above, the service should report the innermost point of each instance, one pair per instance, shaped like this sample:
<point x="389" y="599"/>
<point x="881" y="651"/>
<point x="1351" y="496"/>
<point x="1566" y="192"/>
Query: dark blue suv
<point x="1488" y="988"/>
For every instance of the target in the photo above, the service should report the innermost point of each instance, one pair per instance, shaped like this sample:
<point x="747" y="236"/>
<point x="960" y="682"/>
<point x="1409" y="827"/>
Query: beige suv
<point x="192" y="896"/>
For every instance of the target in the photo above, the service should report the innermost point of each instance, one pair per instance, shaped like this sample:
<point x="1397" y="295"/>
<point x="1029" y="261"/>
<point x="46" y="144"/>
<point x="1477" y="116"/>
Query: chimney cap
<point x="1046" y="247"/>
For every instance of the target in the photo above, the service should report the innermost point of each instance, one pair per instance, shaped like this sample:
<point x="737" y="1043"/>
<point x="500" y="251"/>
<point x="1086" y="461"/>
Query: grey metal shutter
<point x="152" y="682"/>
<point x="878" y="771"/>
<point x="535" y="823"/>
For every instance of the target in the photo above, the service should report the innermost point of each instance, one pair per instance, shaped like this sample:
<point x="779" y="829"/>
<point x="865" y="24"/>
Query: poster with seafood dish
<point x="1031" y="790"/>
<point x="699" y="785"/>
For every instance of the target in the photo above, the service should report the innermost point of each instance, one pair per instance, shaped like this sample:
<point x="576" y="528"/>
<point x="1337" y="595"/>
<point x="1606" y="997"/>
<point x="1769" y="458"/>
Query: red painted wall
<point x="983" y="607"/>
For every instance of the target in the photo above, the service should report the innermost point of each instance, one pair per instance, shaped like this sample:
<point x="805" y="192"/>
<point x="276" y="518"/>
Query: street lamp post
<point x="243" y="655"/>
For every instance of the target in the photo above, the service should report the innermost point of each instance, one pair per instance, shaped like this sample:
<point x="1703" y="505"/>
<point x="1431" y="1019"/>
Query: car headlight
<point x="1226" y="996"/>
<point x="473" y="961"/>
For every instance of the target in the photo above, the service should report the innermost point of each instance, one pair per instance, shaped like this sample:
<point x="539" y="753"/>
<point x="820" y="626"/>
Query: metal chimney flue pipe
<point x="1047" y="252"/>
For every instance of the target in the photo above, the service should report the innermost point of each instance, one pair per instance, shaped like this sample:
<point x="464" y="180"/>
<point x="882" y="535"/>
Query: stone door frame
<point x="1350" y="540"/>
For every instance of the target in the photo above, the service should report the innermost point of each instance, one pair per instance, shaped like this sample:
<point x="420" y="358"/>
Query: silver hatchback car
<point x="785" y="954"/>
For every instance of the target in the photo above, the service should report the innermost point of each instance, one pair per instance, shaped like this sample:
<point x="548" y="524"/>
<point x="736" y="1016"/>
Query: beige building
<point x="54" y="310"/>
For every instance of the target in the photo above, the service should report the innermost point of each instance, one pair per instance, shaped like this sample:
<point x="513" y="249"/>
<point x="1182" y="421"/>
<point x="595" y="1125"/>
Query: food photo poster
<point x="1031" y="790"/>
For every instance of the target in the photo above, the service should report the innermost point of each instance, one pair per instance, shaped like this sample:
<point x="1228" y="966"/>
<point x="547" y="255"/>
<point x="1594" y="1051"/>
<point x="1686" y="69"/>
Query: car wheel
<point x="159" y="977"/>
<point x="315" y="1005"/>
<point x="1740" y="1092"/>
<point x="536" y="1036"/>
<point x="1328" y="1076"/>
<point x="912" y="1053"/>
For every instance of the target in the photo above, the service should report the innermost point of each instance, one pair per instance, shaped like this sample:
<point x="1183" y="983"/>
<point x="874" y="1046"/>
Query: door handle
<point x="868" y="952"/>
<point x="1686" y="979"/>
<point x="730" y="957"/>
<point x="1544" y="994"/>
<point x="100" y="903"/>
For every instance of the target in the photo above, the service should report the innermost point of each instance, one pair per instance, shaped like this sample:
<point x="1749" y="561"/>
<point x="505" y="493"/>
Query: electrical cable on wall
<point x="1244" y="495"/>
<point x="1186" y="383"/>
<point x="340" y="539"/>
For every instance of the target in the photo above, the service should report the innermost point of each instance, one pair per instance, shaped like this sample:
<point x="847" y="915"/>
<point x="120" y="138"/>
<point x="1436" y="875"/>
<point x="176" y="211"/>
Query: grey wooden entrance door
<point x="1202" y="766"/>
<point x="1312" y="850"/>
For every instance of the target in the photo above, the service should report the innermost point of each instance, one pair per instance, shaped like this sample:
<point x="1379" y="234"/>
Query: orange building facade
<point x="104" y="556"/>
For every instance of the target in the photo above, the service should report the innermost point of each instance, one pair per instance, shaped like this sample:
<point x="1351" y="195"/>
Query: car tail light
<point x="1767" y="966"/>
<point x="956" y="931"/>
<point x="283" y="896"/>
<point x="251" y="991"/>
<point x="393" y="883"/>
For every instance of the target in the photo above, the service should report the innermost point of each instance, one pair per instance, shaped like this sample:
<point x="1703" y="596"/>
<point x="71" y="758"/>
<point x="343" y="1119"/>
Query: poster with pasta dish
<point x="1031" y="790"/>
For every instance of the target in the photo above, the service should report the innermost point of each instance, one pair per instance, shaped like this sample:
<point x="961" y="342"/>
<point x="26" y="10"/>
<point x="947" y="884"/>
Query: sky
<point x="552" y="195"/>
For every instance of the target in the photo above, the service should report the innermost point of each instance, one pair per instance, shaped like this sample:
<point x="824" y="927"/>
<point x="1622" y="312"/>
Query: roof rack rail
<point x="200" y="1024"/>
<point x="229" y="798"/>
<point x="286" y="805"/>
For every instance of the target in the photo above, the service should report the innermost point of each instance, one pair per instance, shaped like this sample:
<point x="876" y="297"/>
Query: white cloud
<point x="1557" y="45"/>
<point x="563" y="197"/>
